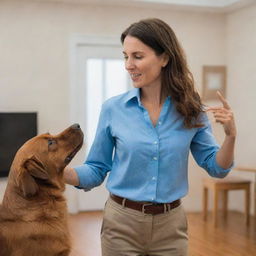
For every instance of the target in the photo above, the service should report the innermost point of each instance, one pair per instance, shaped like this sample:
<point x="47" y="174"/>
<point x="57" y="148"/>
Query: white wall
<point x="34" y="59"/>
<point x="241" y="61"/>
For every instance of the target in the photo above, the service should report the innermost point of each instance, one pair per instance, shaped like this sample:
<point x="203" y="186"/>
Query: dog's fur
<point x="33" y="215"/>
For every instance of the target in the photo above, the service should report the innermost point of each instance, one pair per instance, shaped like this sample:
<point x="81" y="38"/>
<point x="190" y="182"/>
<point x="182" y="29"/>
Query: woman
<point x="152" y="129"/>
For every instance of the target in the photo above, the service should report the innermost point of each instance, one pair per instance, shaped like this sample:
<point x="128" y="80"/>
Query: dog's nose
<point x="75" y="126"/>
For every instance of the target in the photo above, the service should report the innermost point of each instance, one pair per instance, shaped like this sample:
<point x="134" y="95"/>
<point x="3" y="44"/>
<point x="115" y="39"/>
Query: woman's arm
<point x="225" y="155"/>
<point x="99" y="160"/>
<point x="224" y="115"/>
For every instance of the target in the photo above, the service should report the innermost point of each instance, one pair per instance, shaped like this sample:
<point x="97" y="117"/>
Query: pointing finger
<point x="223" y="100"/>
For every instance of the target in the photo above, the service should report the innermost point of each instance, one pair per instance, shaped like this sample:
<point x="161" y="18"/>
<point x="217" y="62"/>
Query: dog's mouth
<point x="73" y="153"/>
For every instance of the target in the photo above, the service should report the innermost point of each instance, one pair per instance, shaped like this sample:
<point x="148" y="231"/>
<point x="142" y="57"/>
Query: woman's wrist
<point x="70" y="176"/>
<point x="231" y="136"/>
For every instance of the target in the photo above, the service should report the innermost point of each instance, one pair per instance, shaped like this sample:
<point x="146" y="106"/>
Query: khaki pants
<point x="127" y="232"/>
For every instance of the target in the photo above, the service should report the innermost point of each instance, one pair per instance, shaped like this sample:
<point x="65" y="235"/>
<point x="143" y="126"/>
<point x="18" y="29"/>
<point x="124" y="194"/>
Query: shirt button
<point x="155" y="142"/>
<point x="152" y="198"/>
<point x="153" y="178"/>
<point x="159" y="122"/>
<point x="155" y="158"/>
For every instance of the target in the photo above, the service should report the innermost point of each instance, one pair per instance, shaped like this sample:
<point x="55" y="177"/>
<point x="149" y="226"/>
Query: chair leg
<point x="225" y="203"/>
<point x="247" y="204"/>
<point x="205" y="203"/>
<point x="215" y="207"/>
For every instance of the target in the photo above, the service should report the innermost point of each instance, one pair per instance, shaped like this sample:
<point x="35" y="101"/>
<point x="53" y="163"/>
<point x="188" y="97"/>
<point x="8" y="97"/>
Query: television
<point x="15" y="129"/>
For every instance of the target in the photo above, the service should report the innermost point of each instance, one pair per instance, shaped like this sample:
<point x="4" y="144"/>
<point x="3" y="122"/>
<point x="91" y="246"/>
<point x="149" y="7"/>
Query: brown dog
<point x="33" y="215"/>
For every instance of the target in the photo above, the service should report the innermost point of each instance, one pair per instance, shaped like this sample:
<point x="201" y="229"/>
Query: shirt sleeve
<point x="99" y="161"/>
<point x="204" y="149"/>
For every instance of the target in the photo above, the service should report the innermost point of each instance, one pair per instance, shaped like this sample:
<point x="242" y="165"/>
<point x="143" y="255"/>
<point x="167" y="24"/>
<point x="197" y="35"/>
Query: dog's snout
<point x="75" y="126"/>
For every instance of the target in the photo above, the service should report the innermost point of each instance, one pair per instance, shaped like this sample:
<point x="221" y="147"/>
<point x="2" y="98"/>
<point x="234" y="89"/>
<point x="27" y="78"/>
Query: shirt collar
<point x="133" y="93"/>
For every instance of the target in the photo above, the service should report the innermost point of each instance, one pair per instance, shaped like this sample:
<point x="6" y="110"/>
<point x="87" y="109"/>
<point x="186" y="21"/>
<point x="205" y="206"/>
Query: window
<point x="105" y="78"/>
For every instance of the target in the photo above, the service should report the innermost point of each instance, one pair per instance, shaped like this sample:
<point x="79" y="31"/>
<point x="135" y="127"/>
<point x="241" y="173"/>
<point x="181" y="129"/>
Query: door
<point x="100" y="75"/>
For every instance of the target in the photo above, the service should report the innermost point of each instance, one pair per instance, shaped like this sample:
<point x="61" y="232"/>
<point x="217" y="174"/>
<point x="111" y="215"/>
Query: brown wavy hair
<point x="176" y="79"/>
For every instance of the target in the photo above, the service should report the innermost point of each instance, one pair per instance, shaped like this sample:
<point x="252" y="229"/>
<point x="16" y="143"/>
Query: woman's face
<point x="143" y="65"/>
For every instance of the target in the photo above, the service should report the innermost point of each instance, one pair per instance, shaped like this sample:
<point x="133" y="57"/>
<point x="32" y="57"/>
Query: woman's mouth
<point x="135" y="77"/>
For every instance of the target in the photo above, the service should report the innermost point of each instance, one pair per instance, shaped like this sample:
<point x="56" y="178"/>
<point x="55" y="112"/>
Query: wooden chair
<point x="224" y="185"/>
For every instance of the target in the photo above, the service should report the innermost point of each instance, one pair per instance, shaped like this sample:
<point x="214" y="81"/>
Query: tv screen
<point x="15" y="130"/>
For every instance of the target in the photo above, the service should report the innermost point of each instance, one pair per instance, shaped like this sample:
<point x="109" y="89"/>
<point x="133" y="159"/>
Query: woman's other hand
<point x="224" y="115"/>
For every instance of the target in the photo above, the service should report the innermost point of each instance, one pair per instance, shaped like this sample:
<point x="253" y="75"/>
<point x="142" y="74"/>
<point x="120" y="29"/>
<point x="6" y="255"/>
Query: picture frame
<point x="214" y="79"/>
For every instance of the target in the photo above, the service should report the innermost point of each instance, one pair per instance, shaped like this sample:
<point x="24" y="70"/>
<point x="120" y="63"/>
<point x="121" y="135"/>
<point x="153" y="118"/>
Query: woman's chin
<point x="137" y="85"/>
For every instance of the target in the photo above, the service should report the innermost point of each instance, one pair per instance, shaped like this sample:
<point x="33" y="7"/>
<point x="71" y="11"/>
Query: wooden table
<point x="246" y="169"/>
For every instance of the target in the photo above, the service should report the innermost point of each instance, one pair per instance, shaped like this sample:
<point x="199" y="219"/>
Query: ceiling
<point x="200" y="3"/>
<point x="224" y="6"/>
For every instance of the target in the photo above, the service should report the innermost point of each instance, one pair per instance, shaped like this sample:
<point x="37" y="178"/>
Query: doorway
<point x="98" y="74"/>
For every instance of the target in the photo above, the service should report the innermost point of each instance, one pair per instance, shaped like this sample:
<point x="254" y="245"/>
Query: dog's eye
<point x="51" y="142"/>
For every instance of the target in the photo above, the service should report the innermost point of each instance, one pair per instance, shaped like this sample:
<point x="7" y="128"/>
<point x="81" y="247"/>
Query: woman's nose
<point x="129" y="65"/>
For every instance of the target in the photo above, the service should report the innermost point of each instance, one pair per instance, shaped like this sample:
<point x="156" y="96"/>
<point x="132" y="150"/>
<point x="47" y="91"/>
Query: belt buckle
<point x="145" y="205"/>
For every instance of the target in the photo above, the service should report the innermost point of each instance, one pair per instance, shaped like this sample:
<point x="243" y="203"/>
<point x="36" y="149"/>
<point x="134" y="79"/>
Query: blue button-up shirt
<point x="146" y="162"/>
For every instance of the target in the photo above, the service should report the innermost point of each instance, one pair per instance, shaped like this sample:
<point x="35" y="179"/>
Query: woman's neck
<point x="151" y="96"/>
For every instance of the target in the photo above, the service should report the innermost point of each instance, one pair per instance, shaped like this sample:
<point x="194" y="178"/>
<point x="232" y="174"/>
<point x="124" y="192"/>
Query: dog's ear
<point x="36" y="168"/>
<point x="32" y="168"/>
<point x="27" y="184"/>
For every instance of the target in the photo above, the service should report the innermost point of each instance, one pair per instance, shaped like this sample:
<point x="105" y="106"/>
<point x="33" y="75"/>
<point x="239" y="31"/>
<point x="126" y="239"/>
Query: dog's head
<point x="39" y="163"/>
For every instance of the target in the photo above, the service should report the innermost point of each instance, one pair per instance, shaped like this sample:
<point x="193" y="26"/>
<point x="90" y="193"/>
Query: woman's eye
<point x="135" y="57"/>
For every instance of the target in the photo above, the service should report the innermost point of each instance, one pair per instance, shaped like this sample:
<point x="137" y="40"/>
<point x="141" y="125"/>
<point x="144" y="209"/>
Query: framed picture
<point x="214" y="79"/>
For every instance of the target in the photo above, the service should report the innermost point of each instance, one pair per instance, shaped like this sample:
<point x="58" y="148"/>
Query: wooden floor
<point x="231" y="238"/>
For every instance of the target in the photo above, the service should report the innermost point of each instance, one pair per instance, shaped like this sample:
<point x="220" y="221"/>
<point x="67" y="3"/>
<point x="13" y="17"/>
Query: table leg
<point x="205" y="203"/>
<point x="225" y="203"/>
<point x="255" y="200"/>
<point x="215" y="207"/>
<point x="247" y="204"/>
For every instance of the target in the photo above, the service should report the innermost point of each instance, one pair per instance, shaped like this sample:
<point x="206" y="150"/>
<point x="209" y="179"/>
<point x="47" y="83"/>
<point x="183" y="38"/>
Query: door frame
<point x="77" y="106"/>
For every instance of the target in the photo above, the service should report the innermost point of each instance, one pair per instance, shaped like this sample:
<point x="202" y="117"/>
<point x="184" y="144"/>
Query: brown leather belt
<point x="148" y="208"/>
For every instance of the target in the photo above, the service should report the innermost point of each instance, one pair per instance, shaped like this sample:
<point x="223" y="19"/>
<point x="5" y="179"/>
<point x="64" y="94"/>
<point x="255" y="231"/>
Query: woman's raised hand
<point x="224" y="115"/>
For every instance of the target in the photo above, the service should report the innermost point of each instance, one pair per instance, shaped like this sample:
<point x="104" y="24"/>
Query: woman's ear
<point x="165" y="59"/>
